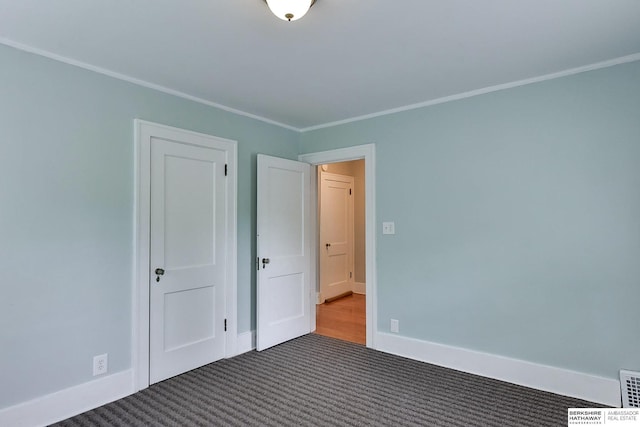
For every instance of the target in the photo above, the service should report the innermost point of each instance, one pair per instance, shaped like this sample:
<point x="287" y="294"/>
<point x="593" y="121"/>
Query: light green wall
<point x="517" y="220"/>
<point x="66" y="215"/>
<point x="517" y="217"/>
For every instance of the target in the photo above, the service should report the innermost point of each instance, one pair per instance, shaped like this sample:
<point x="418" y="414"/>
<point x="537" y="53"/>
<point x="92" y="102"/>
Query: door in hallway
<point x="336" y="235"/>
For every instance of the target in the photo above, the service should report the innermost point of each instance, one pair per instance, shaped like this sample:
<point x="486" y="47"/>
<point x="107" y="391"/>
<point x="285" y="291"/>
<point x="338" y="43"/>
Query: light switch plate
<point x="389" y="227"/>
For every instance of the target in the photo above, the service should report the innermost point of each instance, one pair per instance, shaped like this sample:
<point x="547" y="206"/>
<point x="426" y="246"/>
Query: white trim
<point x="359" y="288"/>
<point x="231" y="343"/>
<point x="68" y="402"/>
<point x="489" y="89"/>
<point x="142" y="176"/>
<point x="138" y="82"/>
<point x="366" y="152"/>
<point x="246" y="342"/>
<point x="547" y="378"/>
<point x="54" y="56"/>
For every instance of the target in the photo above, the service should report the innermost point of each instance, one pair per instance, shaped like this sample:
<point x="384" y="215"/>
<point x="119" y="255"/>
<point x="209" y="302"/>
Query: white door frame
<point x="143" y="132"/>
<point x="366" y="152"/>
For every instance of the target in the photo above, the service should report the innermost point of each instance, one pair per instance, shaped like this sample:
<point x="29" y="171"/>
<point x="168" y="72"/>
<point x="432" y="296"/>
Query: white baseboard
<point x="547" y="378"/>
<point x="72" y="401"/>
<point x="66" y="403"/>
<point x="246" y="341"/>
<point x="359" y="288"/>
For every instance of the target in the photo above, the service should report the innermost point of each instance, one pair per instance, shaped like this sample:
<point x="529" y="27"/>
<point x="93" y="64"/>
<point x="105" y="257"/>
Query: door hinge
<point x="349" y="191"/>
<point x="350" y="275"/>
<point x="226" y="167"/>
<point x="225" y="325"/>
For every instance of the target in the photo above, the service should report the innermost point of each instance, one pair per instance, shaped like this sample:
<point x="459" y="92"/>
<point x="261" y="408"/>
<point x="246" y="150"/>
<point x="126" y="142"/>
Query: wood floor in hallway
<point x="344" y="319"/>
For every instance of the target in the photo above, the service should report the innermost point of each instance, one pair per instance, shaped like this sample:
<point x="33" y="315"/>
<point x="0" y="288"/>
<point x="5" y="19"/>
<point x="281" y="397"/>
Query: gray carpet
<point x="320" y="381"/>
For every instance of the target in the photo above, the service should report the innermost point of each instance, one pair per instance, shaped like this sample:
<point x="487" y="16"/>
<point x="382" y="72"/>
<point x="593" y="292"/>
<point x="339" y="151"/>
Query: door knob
<point x="159" y="272"/>
<point x="265" y="261"/>
<point x="328" y="245"/>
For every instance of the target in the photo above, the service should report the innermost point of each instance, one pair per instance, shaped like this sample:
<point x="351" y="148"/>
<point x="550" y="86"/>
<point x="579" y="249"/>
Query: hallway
<point x="344" y="319"/>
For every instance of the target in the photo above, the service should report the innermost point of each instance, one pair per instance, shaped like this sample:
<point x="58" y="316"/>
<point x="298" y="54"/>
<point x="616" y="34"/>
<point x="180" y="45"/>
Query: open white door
<point x="283" y="249"/>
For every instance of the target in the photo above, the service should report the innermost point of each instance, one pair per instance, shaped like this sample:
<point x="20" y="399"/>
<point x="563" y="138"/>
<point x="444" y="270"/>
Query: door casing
<point x="366" y="152"/>
<point x="143" y="132"/>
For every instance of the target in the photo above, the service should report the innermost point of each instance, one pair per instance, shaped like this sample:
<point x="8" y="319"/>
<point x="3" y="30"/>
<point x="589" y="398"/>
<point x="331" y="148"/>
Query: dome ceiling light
<point x="290" y="10"/>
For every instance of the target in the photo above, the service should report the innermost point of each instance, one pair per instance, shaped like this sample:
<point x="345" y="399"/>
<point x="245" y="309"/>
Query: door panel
<point x="283" y="284"/>
<point x="186" y="316"/>
<point x="285" y="193"/>
<point x="336" y="234"/>
<point x="287" y="296"/>
<point x="189" y="214"/>
<point x="188" y="237"/>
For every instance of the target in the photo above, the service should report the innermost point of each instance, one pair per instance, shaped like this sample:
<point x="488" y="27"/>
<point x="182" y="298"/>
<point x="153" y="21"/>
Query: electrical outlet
<point x="395" y="325"/>
<point x="100" y="364"/>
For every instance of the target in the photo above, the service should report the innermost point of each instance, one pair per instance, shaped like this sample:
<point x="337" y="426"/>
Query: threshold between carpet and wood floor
<point x="320" y="381"/>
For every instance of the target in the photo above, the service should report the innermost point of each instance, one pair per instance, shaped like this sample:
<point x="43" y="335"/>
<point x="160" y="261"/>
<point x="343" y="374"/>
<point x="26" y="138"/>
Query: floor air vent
<point x="630" y="387"/>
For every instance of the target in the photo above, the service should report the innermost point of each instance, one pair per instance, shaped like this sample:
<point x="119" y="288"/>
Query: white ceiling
<point x="345" y="59"/>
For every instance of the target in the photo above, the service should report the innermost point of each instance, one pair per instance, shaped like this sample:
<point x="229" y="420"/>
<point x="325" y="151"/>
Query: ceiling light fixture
<point x="290" y="10"/>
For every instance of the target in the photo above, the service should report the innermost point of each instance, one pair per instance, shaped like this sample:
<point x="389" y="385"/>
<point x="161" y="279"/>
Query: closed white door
<point x="187" y="258"/>
<point x="283" y="249"/>
<point x="336" y="235"/>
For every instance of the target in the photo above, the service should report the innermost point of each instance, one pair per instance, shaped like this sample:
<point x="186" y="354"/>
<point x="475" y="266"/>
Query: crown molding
<point x="138" y="82"/>
<point x="591" y="67"/>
